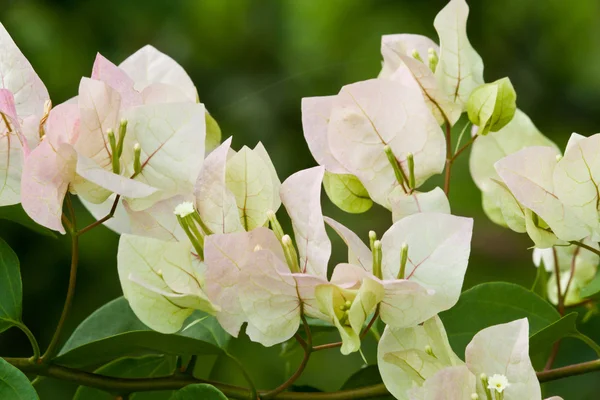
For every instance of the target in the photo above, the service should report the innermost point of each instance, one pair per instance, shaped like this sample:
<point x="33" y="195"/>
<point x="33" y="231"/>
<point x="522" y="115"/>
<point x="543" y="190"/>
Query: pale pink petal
<point x="148" y="65"/>
<point x="448" y="383"/>
<point x="46" y="176"/>
<point x="158" y="221"/>
<point x="62" y="125"/>
<point x="306" y="285"/>
<point x="214" y="202"/>
<point x="226" y="255"/>
<point x="117" y="79"/>
<point x="99" y="107"/>
<point x="392" y="46"/>
<point x="301" y="196"/>
<point x="315" y="119"/>
<point x="269" y="298"/>
<point x="358" y="252"/>
<point x="160" y="93"/>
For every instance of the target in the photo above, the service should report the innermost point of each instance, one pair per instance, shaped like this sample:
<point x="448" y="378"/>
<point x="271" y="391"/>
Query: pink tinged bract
<point x="226" y="257"/>
<point x="50" y="168"/>
<point x="301" y="196"/>
<point x="448" y="383"/>
<point x="404" y="205"/>
<point x="214" y="202"/>
<point x="369" y="115"/>
<point x="148" y="65"/>
<point x="438" y="253"/>
<point x="358" y="252"/>
<point x="269" y="299"/>
<point x="316" y="112"/>
<point x="504" y="349"/>
<point x="105" y="71"/>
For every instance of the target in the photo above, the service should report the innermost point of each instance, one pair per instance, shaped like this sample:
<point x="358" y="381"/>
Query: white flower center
<point x="498" y="383"/>
<point x="184" y="209"/>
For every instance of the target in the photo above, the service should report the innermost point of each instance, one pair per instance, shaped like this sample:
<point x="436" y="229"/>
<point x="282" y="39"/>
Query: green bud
<point x="275" y="225"/>
<point x="474" y="396"/>
<point x="116" y="166"/>
<point x="492" y="106"/>
<point x="403" y="259"/>
<point x="377" y="255"/>
<point x="400" y="176"/>
<point x="429" y="350"/>
<point x="291" y="256"/>
<point x="433" y="59"/>
<point x="410" y="160"/>
<point x="137" y="164"/>
<point x="372" y="239"/>
<point x="122" y="132"/>
<point x="347" y="192"/>
<point x="415" y="54"/>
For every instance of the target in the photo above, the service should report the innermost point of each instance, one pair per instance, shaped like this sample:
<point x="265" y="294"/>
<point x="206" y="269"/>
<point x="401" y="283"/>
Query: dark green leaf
<point x="197" y="392"/>
<point x="113" y="331"/>
<point x="540" y="285"/>
<point x="11" y="295"/>
<point x="541" y="342"/>
<point x="17" y="214"/>
<point x="149" y="366"/>
<point x="366" y="376"/>
<point x="491" y="304"/>
<point x="591" y="288"/>
<point x="14" y="385"/>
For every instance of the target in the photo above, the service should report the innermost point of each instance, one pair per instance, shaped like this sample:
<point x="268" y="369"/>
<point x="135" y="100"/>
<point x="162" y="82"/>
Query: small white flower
<point x="184" y="209"/>
<point x="498" y="383"/>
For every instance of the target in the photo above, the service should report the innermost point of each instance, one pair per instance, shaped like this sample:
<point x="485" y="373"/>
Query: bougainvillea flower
<point x="418" y="363"/>
<point x="560" y="191"/>
<point x="416" y="202"/>
<point x="156" y="156"/>
<point x="23" y="100"/>
<point x="211" y="207"/>
<point x="350" y="133"/>
<point x="446" y="75"/>
<point x="498" y="203"/>
<point x="571" y="260"/>
<point x="268" y="293"/>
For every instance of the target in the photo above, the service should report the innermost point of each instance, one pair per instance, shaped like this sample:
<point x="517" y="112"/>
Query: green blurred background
<point x="252" y="61"/>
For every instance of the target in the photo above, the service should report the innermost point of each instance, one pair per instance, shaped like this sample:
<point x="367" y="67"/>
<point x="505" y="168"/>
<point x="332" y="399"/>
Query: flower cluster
<point x="199" y="221"/>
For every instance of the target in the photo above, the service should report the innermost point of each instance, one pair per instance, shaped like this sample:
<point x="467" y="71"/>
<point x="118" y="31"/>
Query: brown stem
<point x="466" y="146"/>
<point x="553" y="355"/>
<point x="102" y="220"/>
<point x="561" y="305"/>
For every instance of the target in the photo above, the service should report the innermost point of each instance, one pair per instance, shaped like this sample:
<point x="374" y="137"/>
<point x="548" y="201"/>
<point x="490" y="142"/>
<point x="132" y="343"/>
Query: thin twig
<point x="585" y="246"/>
<point x="573" y="265"/>
<point x="448" y="157"/>
<point x="466" y="146"/>
<point x="34" y="344"/>
<point x="561" y="306"/>
<point x="102" y="220"/>
<point x="53" y="346"/>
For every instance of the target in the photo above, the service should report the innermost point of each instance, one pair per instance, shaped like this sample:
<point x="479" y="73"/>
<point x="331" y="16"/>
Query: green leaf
<point x="541" y="341"/>
<point x="11" y="295"/>
<point x="18" y="215"/>
<point x="540" y="285"/>
<point x="591" y="288"/>
<point x="149" y="366"/>
<point x="491" y="304"/>
<point x="114" y="331"/>
<point x="14" y="385"/>
<point x="366" y="376"/>
<point x="347" y="192"/>
<point x="197" y="392"/>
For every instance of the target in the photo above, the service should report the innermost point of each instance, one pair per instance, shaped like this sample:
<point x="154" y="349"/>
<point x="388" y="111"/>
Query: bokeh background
<point x="253" y="61"/>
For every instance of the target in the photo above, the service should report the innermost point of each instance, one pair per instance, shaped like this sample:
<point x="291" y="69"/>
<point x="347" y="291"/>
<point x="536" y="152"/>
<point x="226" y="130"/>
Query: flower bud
<point x="377" y="256"/>
<point x="433" y="59"/>
<point x="122" y="132"/>
<point x="415" y="54"/>
<point x="291" y="256"/>
<point x="403" y="259"/>
<point x="275" y="225"/>
<point x="137" y="164"/>
<point x="492" y="106"/>
<point x="410" y="160"/>
<point x="400" y="176"/>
